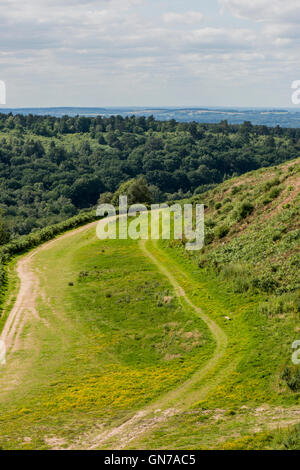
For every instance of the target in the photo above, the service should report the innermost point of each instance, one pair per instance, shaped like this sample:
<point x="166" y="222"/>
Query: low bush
<point x="288" y="303"/>
<point x="275" y="192"/>
<point x="287" y="439"/>
<point x="244" y="209"/>
<point x="273" y="182"/>
<point x="209" y="237"/>
<point x="27" y="242"/>
<point x="222" y="231"/>
<point x="291" y="375"/>
<point x="236" y="189"/>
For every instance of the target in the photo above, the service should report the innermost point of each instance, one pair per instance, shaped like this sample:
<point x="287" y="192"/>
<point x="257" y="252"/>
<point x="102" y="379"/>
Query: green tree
<point x="4" y="231"/>
<point x="105" y="198"/>
<point x="136" y="190"/>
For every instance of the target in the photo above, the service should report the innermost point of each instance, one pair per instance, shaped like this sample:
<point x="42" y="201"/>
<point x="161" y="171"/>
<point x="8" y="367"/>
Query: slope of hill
<point x="252" y="230"/>
<point x="126" y="345"/>
<point x="250" y="266"/>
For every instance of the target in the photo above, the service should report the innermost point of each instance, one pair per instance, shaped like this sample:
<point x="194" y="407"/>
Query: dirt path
<point x="218" y="334"/>
<point x="175" y="400"/>
<point x="24" y="305"/>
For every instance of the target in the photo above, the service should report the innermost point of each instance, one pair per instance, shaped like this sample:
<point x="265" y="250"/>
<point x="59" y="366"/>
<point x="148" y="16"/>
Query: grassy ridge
<point x="258" y="349"/>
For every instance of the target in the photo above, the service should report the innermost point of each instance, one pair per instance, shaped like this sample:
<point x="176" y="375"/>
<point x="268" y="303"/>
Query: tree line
<point x="53" y="168"/>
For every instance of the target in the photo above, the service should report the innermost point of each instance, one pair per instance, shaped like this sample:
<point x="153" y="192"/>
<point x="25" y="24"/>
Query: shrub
<point x="204" y="188"/>
<point x="27" y="242"/>
<point x="209" y="237"/>
<point x="291" y="375"/>
<point x="273" y="182"/>
<point x="227" y="208"/>
<point x="266" y="201"/>
<point x="274" y="193"/>
<point x="222" y="231"/>
<point x="277" y="236"/>
<point x="244" y="209"/>
<point x="287" y="439"/>
<point x="105" y="198"/>
<point x="266" y="283"/>
<point x="236" y="189"/>
<point x="278" y="305"/>
<point x="210" y="223"/>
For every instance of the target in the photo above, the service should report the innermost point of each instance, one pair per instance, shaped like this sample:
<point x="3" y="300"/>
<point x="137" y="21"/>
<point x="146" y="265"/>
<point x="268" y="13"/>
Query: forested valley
<point x="54" y="168"/>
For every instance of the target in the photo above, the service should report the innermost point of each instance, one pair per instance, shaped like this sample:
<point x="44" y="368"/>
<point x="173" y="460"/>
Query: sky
<point x="149" y="52"/>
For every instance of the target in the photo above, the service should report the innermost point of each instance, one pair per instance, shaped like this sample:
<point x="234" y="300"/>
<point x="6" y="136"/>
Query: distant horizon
<point x="297" y="109"/>
<point x="267" y="116"/>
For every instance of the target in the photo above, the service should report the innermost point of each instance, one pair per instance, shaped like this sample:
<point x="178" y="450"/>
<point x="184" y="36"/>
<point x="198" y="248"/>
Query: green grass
<point x="110" y="345"/>
<point x="258" y="348"/>
<point x="10" y="290"/>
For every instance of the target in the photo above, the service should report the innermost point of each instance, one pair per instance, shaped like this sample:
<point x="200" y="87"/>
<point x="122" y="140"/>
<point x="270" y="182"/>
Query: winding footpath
<point x="167" y="405"/>
<point x="25" y="303"/>
<point x="174" y="401"/>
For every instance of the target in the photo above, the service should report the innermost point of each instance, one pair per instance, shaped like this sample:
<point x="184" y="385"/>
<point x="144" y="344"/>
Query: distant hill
<point x="258" y="116"/>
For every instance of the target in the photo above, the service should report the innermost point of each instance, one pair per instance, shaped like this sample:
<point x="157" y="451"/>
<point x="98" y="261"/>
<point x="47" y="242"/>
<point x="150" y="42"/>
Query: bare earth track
<point x="29" y="289"/>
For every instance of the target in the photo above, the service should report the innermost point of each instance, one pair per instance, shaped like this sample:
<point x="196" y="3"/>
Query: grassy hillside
<point x="249" y="270"/>
<point x="252" y="230"/>
<point x="119" y="327"/>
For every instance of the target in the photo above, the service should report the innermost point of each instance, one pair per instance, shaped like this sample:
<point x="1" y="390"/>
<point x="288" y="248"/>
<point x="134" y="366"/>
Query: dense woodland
<point x="52" y="168"/>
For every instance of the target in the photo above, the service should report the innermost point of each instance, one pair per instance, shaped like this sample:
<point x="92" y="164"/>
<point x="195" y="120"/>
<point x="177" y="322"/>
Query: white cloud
<point x="279" y="20"/>
<point x="188" y="18"/>
<point x="264" y="10"/>
<point x="221" y="38"/>
<point x="116" y="49"/>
